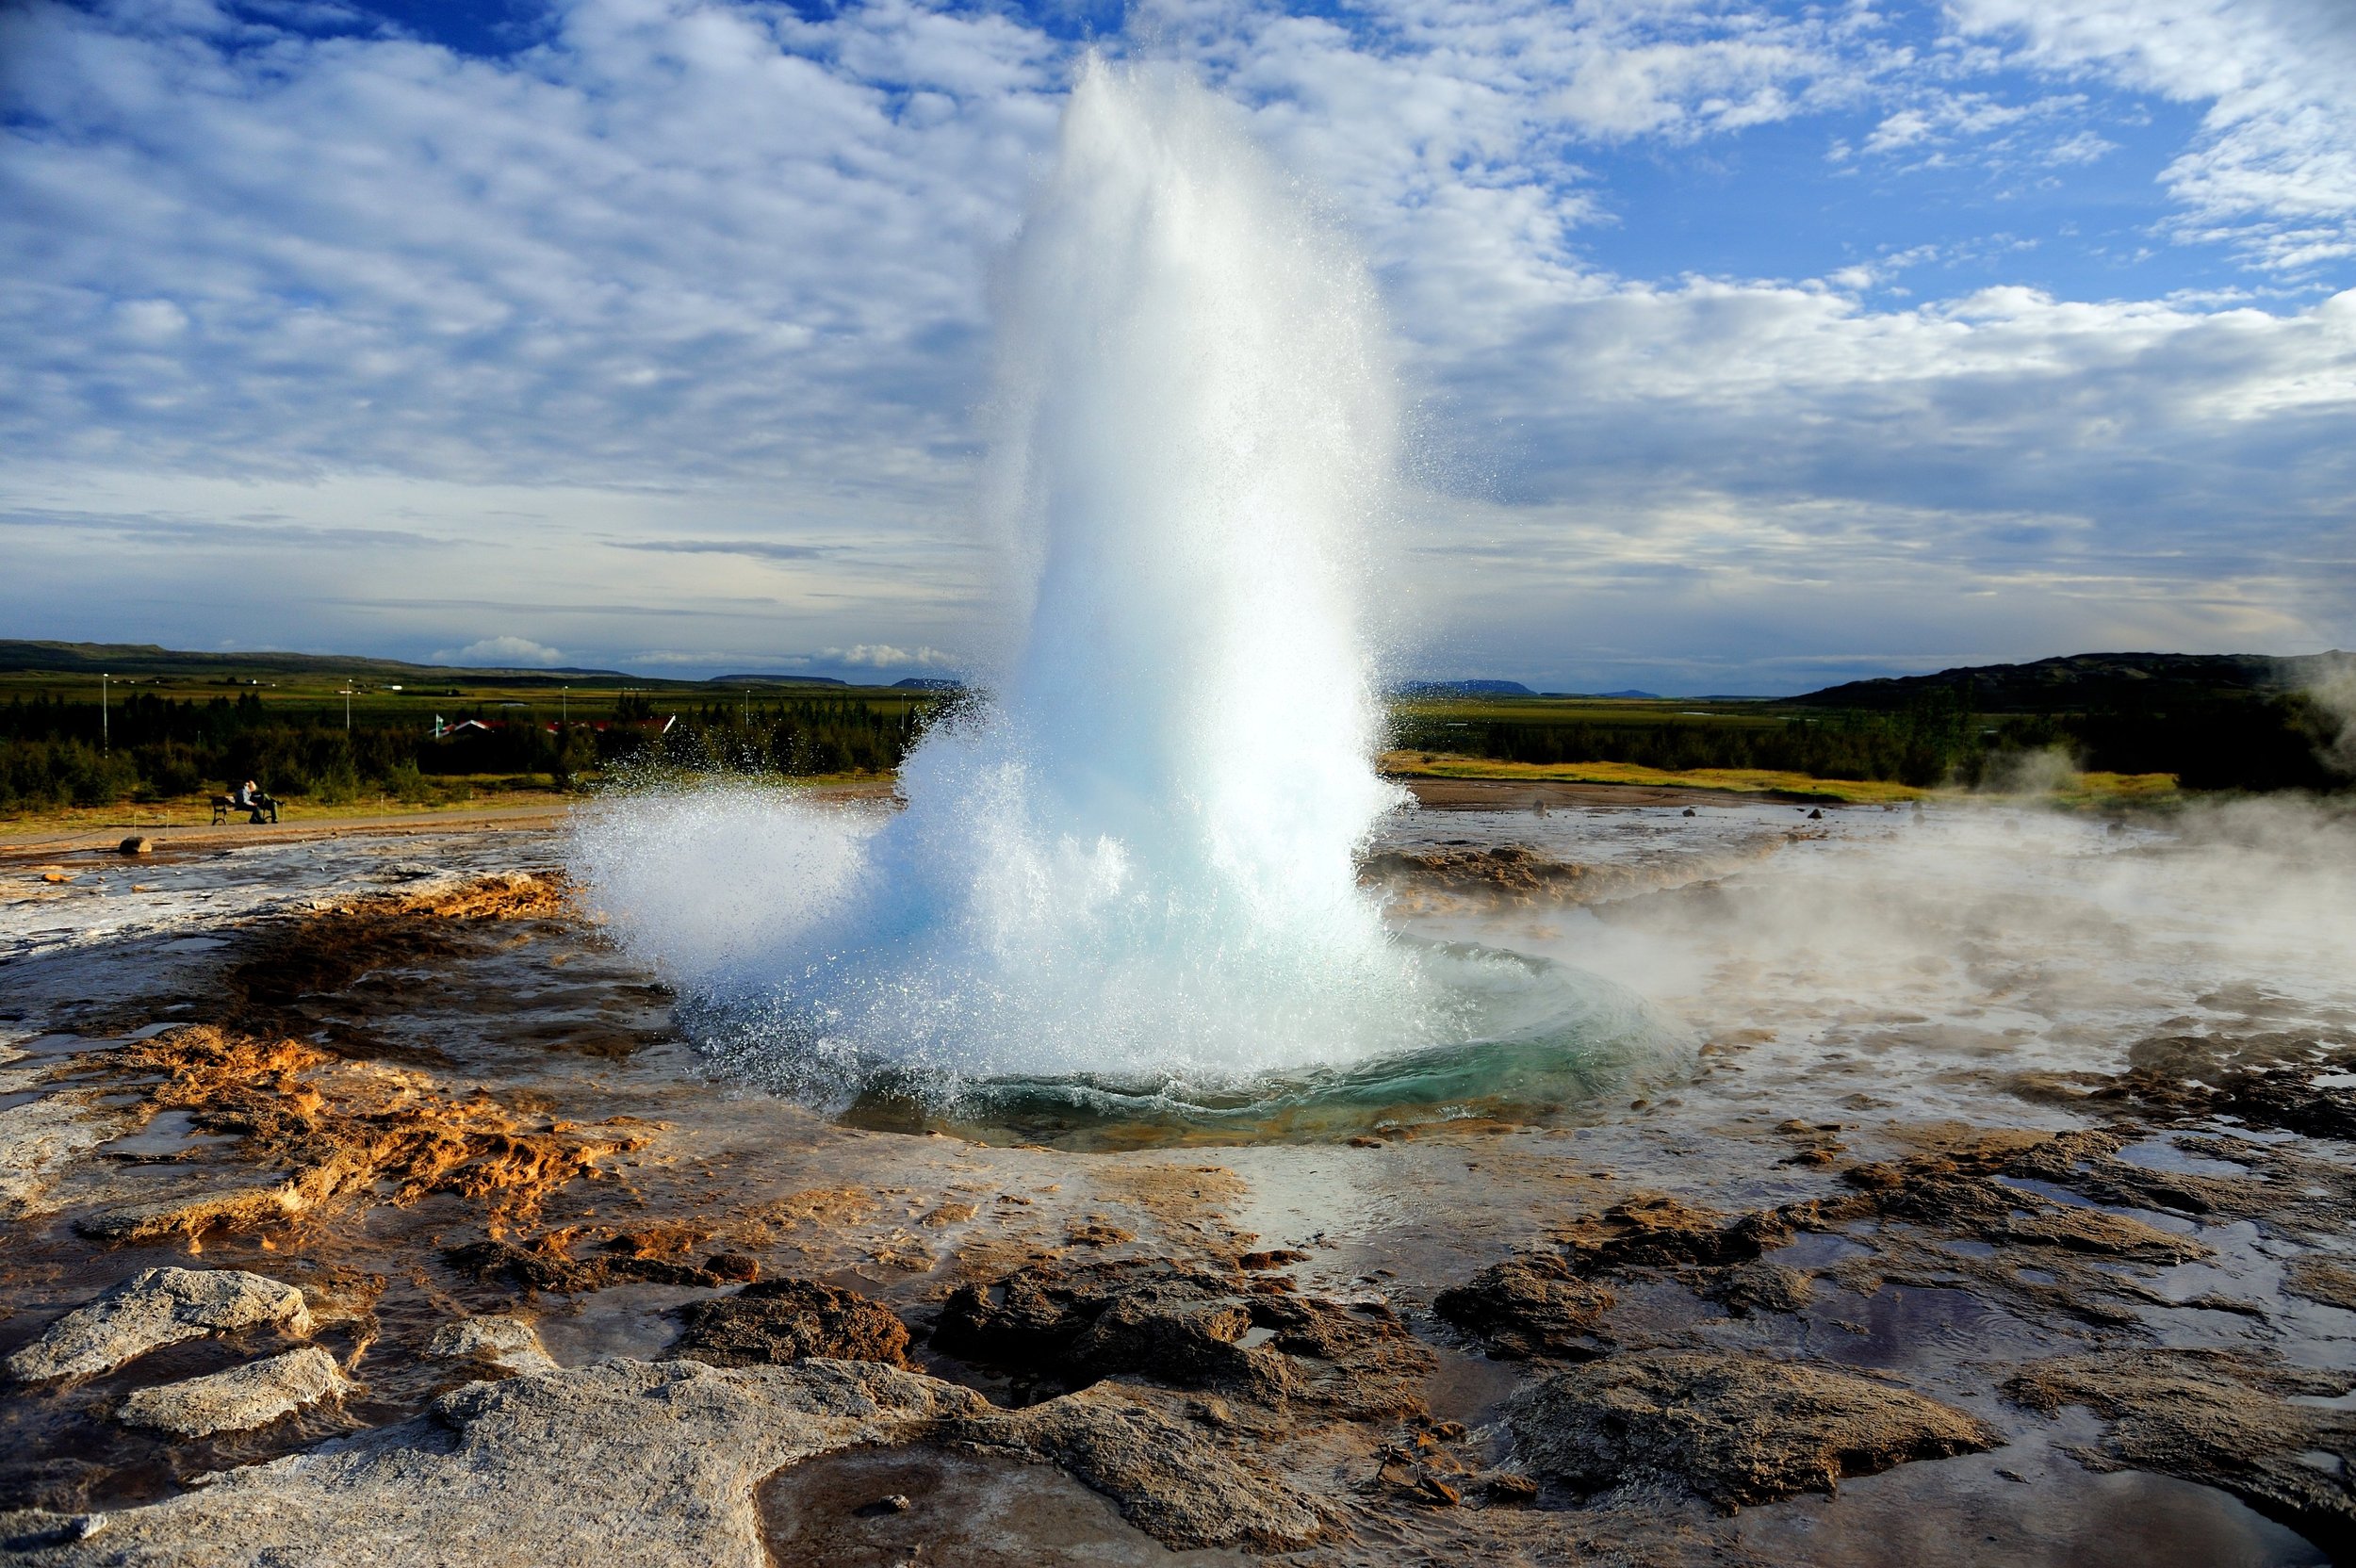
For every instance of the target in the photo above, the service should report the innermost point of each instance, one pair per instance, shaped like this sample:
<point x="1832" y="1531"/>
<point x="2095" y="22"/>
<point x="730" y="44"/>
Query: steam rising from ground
<point x="2336" y="695"/>
<point x="1905" y="956"/>
<point x="1138" y="856"/>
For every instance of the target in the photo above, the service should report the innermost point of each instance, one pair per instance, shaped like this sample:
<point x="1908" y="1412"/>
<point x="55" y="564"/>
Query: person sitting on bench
<point x="248" y="797"/>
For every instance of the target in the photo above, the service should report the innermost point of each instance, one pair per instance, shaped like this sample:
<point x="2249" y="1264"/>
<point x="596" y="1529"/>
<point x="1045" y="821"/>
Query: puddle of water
<point x="1915" y="1326"/>
<point x="1470" y="1388"/>
<point x="2162" y="1155"/>
<point x="619" y="1320"/>
<point x="1960" y="1514"/>
<point x="169" y="1134"/>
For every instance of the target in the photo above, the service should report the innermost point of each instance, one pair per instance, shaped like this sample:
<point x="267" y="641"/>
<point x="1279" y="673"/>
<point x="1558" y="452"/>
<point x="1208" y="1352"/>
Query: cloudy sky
<point x="1751" y="345"/>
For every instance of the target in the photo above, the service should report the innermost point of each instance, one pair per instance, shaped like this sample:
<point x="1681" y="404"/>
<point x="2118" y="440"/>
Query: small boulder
<point x="779" y="1321"/>
<point x="501" y="1344"/>
<point x="239" y="1400"/>
<point x="155" y="1308"/>
<point x="134" y="844"/>
<point x="1531" y="1304"/>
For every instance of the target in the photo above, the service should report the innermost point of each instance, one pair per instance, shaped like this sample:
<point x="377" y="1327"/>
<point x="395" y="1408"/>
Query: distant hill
<point x="928" y="683"/>
<point x="2082" y="681"/>
<point x="148" y="659"/>
<point x="1654" y="696"/>
<point x="1462" y="689"/>
<point x="775" y="680"/>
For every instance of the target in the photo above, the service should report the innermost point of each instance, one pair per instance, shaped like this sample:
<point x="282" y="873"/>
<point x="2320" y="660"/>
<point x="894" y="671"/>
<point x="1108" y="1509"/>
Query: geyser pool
<point x="1124" y="883"/>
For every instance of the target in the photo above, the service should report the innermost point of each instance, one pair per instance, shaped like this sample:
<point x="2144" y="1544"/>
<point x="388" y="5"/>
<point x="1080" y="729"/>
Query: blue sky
<point x="1751" y="345"/>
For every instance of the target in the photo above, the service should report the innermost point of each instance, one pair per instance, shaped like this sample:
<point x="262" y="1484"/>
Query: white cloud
<point x="666" y="331"/>
<point x="501" y="653"/>
<point x="2275" y="169"/>
<point x="882" y="656"/>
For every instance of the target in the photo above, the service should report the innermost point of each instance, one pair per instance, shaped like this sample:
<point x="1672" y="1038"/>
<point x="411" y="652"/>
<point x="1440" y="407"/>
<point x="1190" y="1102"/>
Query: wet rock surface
<point x="1531" y="1304"/>
<point x="2224" y="1418"/>
<point x="1866" y="1232"/>
<point x="627" y="1461"/>
<point x="779" y="1321"/>
<point x="496" y="1342"/>
<point x="975" y="1507"/>
<point x="2284" y="1079"/>
<point x="239" y="1399"/>
<point x="358" y="1131"/>
<point x="1067" y="1327"/>
<point x="1734" y="1430"/>
<point x="40" y="1137"/>
<point x="1165" y="1476"/>
<point x="1516" y="875"/>
<point x="550" y="1267"/>
<point x="155" y="1308"/>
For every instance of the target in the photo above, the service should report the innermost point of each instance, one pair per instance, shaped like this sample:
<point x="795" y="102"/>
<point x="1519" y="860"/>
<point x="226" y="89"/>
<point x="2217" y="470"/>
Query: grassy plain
<point x="1797" y="786"/>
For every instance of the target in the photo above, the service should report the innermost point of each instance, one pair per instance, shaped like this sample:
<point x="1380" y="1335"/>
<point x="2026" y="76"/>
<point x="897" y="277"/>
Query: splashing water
<point x="1132" y="869"/>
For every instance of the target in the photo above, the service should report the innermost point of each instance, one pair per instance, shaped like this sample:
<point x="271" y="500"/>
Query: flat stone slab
<point x="239" y="1400"/>
<point x="504" y="1344"/>
<point x="155" y="1308"/>
<point x="41" y="1138"/>
<point x="1737" y="1429"/>
<point x="650" y="1465"/>
<point x="188" y="1216"/>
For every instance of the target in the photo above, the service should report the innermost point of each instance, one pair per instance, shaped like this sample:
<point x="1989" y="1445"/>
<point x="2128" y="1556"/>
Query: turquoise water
<point x="1541" y="1040"/>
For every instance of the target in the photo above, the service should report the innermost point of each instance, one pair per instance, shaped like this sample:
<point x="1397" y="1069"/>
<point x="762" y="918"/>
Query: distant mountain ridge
<point x="775" y="680"/>
<point x="2082" y="680"/>
<point x="1462" y="689"/>
<point x="148" y="659"/>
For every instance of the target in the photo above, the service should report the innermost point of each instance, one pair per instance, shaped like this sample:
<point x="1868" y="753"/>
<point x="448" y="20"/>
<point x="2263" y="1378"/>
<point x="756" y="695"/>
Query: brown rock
<point x="1734" y="1428"/>
<point x="135" y="845"/>
<point x="779" y="1321"/>
<point x="1531" y="1304"/>
<point x="1506" y="1486"/>
<point x="547" y="1268"/>
<point x="2322" y="1280"/>
<point x="1183" y="1327"/>
<point x="1947" y="1195"/>
<point x="1278" y="1257"/>
<point x="1165" y="1478"/>
<point x="1764" y="1287"/>
<point x="1656" y="1230"/>
<point x="2218" y="1417"/>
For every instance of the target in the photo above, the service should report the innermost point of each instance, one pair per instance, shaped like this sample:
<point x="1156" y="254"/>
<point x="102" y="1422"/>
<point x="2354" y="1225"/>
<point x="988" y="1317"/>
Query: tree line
<point x="153" y="747"/>
<point x="2214" y="742"/>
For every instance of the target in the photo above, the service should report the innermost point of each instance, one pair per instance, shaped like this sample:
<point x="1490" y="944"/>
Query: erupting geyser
<point x="1133" y="865"/>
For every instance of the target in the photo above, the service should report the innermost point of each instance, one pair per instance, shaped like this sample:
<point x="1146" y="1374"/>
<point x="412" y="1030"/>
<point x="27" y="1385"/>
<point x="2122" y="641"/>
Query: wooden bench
<point x="224" y="804"/>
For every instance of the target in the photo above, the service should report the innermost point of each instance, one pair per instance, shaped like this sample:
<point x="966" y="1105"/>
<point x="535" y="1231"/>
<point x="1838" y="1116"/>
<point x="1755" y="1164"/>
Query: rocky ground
<point x="375" y="1200"/>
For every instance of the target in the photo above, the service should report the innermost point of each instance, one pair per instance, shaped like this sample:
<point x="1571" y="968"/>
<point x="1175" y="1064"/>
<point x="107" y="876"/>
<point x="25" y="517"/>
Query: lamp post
<point x="106" y="731"/>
